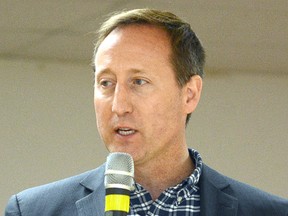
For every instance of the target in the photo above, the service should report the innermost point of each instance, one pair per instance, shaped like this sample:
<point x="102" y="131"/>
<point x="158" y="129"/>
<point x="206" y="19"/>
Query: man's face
<point x="139" y="106"/>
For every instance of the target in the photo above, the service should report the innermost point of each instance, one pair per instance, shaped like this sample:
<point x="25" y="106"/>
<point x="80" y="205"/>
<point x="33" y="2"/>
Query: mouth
<point x="125" y="131"/>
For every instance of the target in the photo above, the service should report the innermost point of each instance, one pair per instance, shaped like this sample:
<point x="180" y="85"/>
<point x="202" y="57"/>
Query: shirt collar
<point x="193" y="179"/>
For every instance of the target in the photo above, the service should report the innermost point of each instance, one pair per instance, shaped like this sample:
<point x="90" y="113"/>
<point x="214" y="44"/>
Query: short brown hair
<point x="188" y="56"/>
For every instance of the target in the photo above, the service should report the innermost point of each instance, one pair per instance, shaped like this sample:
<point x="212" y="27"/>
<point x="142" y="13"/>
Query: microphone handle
<point x="117" y="202"/>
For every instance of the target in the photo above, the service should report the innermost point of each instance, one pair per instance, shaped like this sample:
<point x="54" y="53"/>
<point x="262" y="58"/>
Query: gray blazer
<point x="83" y="195"/>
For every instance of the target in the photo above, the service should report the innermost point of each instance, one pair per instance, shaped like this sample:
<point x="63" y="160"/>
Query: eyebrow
<point x="109" y="71"/>
<point x="100" y="73"/>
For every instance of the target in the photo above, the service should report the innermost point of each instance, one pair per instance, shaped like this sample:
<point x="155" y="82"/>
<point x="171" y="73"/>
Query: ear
<point x="192" y="92"/>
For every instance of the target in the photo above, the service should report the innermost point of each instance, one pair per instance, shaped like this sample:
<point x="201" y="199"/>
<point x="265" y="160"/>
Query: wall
<point x="48" y="129"/>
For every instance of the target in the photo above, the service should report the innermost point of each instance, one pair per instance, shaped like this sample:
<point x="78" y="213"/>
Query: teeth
<point x="125" y="131"/>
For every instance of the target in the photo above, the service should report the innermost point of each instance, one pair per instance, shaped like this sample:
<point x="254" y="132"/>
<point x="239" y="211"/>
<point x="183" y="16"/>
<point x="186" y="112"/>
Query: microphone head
<point x="119" y="172"/>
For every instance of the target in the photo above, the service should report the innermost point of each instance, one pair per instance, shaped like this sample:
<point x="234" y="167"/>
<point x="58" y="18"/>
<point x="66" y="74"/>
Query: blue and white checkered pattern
<point x="182" y="199"/>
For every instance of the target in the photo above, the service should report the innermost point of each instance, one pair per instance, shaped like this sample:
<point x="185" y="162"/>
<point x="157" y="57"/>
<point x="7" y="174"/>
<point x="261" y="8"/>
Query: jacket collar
<point x="93" y="204"/>
<point x="216" y="195"/>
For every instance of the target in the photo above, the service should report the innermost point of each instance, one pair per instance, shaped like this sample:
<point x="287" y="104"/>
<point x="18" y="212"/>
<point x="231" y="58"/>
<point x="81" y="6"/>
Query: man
<point x="148" y="80"/>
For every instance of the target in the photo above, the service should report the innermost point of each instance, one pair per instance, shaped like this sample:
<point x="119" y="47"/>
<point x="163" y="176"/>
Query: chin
<point x="136" y="155"/>
<point x="120" y="149"/>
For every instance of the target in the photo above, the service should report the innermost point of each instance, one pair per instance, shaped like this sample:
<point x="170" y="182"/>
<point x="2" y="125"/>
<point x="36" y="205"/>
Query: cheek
<point x="100" y="113"/>
<point x="101" y="105"/>
<point x="171" y="111"/>
<point x="97" y="110"/>
<point x="164" y="110"/>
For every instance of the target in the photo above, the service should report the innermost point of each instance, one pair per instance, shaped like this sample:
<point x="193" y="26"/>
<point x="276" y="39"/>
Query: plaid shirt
<point x="182" y="199"/>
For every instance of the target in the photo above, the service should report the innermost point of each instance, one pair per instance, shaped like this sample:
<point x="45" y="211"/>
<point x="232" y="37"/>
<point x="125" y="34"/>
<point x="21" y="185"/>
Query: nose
<point x="121" y="100"/>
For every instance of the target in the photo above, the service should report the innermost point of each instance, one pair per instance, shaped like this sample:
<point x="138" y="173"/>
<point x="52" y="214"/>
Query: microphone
<point x="118" y="181"/>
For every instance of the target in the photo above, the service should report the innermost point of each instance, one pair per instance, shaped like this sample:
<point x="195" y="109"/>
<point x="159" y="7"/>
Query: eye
<point x="139" y="82"/>
<point x="105" y="83"/>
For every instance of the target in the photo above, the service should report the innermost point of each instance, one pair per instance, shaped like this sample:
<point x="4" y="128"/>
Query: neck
<point x="166" y="171"/>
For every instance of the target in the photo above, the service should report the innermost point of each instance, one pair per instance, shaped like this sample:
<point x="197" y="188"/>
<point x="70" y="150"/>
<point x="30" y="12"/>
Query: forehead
<point x="151" y="39"/>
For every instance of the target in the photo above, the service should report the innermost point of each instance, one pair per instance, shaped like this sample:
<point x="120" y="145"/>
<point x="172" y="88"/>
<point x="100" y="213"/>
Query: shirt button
<point x="179" y="199"/>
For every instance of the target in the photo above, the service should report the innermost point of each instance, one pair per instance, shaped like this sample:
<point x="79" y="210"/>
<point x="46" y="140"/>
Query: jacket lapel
<point x="215" y="194"/>
<point x="93" y="203"/>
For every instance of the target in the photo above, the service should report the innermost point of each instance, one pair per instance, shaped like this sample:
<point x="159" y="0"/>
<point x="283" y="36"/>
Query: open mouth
<point x="125" y="131"/>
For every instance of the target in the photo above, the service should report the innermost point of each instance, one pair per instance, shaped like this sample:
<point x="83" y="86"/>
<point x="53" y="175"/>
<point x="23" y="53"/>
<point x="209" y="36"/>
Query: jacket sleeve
<point x="12" y="208"/>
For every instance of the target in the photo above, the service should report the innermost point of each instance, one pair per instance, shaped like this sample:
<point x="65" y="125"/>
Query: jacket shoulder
<point x="54" y="189"/>
<point x="53" y="197"/>
<point x="251" y="200"/>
